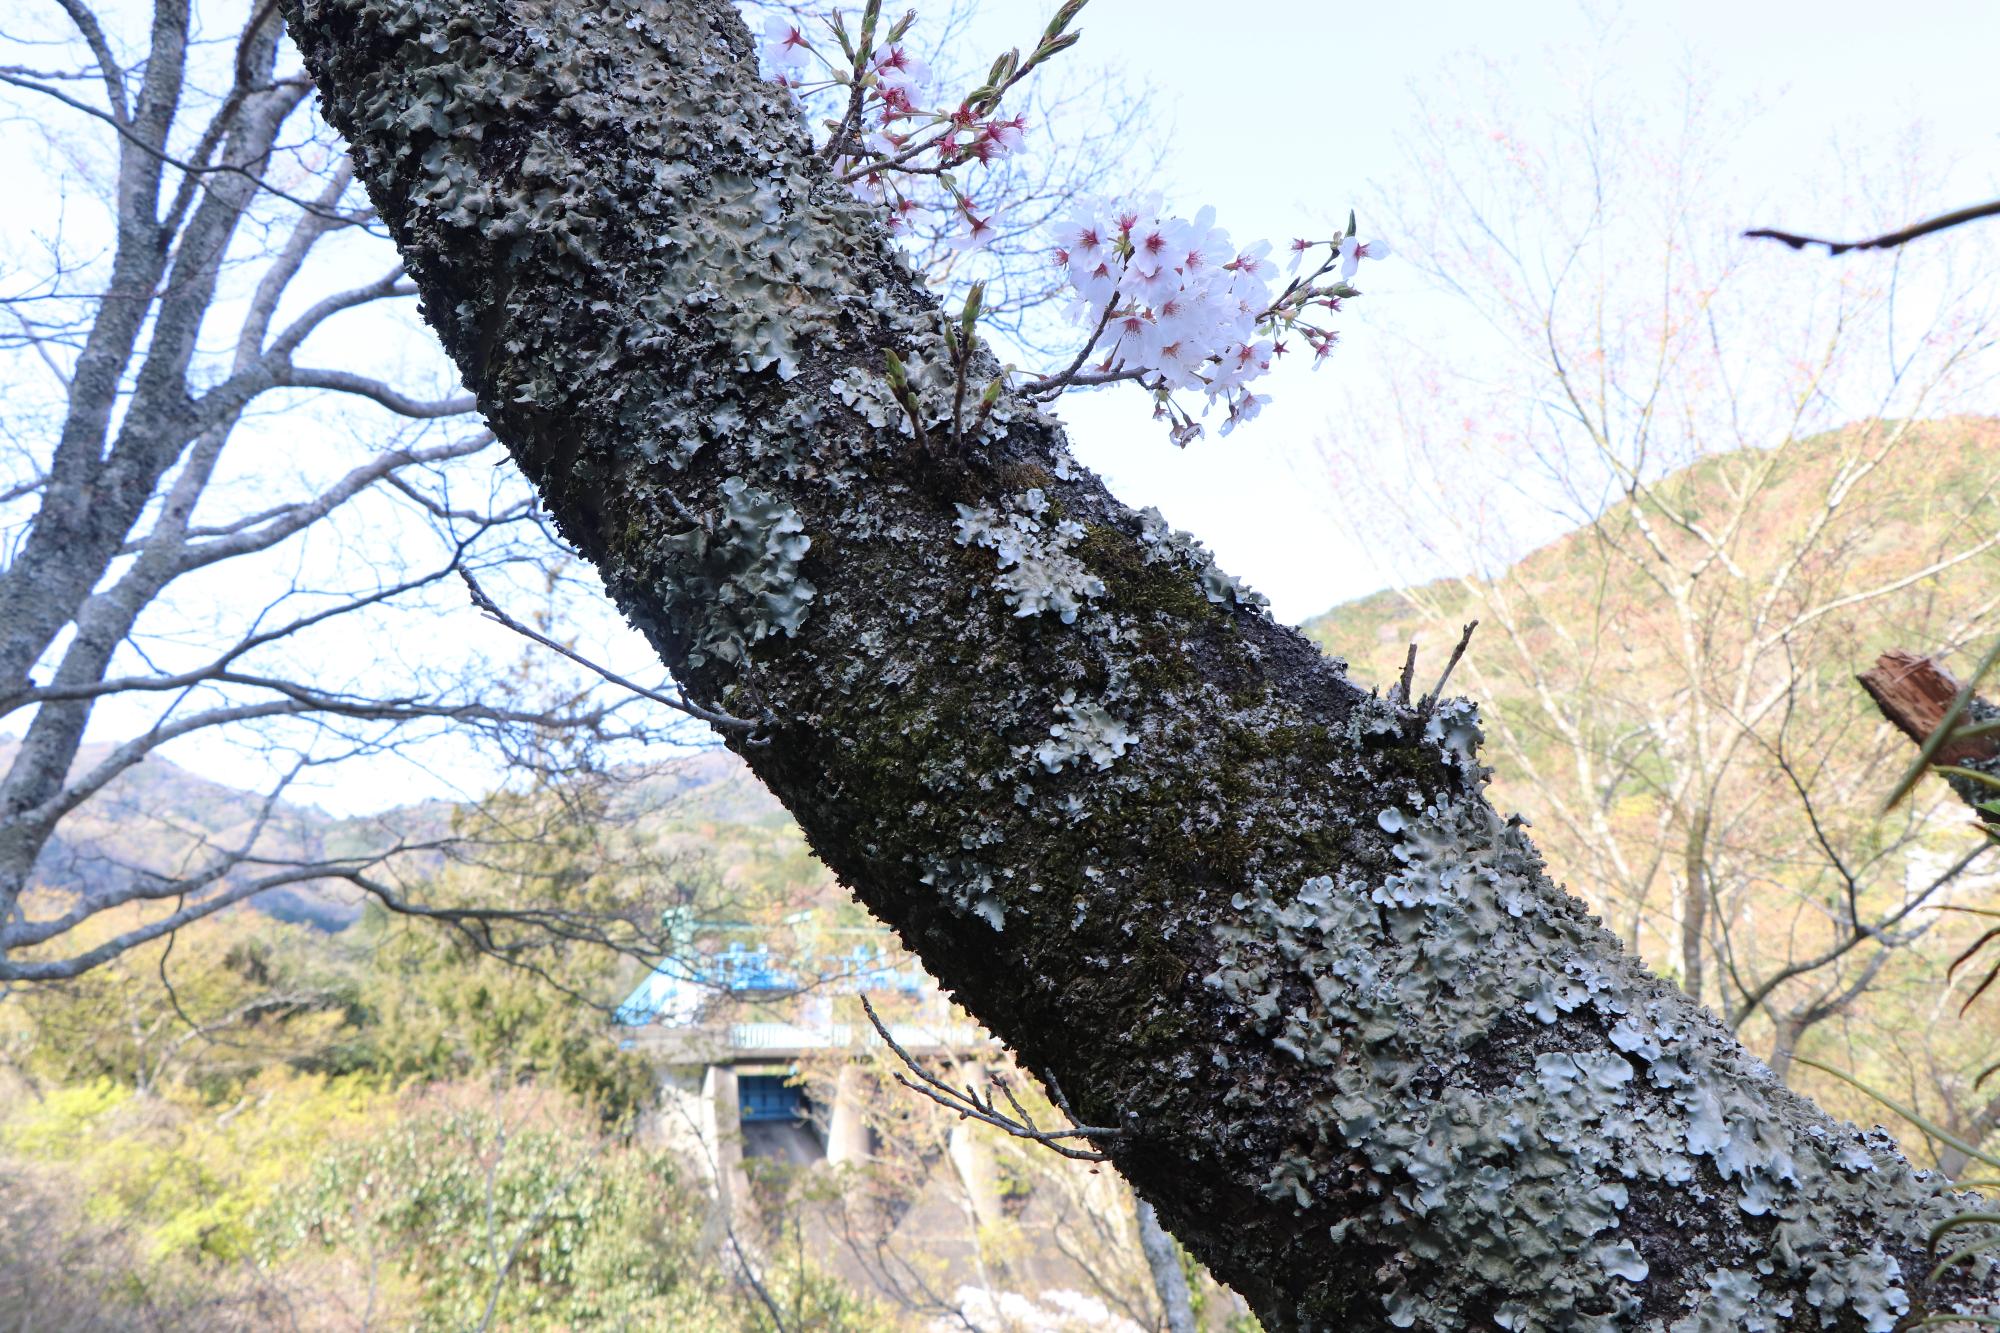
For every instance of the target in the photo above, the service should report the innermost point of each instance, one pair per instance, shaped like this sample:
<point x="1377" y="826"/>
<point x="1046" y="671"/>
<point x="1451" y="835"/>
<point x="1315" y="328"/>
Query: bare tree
<point x="161" y="578"/>
<point x="1366" y="1061"/>
<point x="184" y="569"/>
<point x="1754" y="506"/>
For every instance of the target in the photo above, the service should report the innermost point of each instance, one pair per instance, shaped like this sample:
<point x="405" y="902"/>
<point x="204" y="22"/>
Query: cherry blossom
<point x="1354" y="250"/>
<point x="786" y="49"/>
<point x="889" y="138"/>
<point x="896" y="69"/>
<point x="1179" y="305"/>
<point x="1170" y="301"/>
<point x="1175" y="306"/>
<point x="978" y="233"/>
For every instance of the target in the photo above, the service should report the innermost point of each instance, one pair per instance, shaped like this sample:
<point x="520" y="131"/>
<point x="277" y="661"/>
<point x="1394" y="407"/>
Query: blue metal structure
<point x="680" y="987"/>
<point x="769" y="1098"/>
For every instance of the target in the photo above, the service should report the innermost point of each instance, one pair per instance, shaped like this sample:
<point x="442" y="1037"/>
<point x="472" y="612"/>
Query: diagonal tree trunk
<point x="1367" y="1061"/>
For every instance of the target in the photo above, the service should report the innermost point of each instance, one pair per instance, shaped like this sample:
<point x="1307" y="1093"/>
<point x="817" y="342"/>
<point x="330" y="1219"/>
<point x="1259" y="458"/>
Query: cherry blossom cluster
<point x="1170" y="302"/>
<point x="893" y="129"/>
<point x="1174" y="305"/>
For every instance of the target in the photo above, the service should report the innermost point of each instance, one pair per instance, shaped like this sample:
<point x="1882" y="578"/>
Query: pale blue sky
<point x="1285" y="113"/>
<point x="1282" y="115"/>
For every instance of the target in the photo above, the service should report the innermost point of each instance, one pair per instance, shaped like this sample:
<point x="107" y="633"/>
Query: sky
<point x="1285" y="114"/>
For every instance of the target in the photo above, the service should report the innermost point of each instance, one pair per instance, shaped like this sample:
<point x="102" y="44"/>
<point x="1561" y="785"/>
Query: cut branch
<point x="1925" y="702"/>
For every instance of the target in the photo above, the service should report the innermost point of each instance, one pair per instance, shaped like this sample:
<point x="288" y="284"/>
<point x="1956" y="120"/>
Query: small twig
<point x="719" y="720"/>
<point x="1887" y="241"/>
<point x="1409" y="680"/>
<point x="969" y="1104"/>
<point x="1432" y="699"/>
<point x="1054" y="384"/>
<point x="961" y="360"/>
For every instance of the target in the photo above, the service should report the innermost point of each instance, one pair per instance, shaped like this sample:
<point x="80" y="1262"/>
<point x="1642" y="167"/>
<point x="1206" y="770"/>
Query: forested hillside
<point x="1670" y="699"/>
<point x="356" y="1120"/>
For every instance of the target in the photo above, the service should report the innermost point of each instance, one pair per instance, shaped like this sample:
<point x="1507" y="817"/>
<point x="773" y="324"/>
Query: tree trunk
<point x="1694" y="914"/>
<point x="1169" y="1280"/>
<point x="1786" y="1030"/>
<point x="1369" y="1063"/>
<point x="1953" y="1160"/>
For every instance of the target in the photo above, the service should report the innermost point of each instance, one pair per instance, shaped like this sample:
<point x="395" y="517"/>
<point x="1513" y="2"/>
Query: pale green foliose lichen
<point x="1037" y="571"/>
<point x="1085" y="729"/>
<point x="1522" y="1174"/>
<point x="1158" y="541"/>
<point x="740" y="574"/>
<point x="968" y="885"/>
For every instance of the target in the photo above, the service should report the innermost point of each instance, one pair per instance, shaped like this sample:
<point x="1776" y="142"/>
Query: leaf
<point x="1937" y="1132"/>
<point x="1970" y="774"/>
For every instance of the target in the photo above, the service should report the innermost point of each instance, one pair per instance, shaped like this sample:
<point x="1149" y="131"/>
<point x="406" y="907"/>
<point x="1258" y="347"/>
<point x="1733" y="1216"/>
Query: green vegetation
<point x="403" y="1124"/>
<point x="431" y="1125"/>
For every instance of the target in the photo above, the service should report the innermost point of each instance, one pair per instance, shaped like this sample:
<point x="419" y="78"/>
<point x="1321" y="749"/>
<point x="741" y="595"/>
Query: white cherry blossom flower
<point x="978" y="232"/>
<point x="785" y="46"/>
<point x="896" y="68"/>
<point x="1242" y="408"/>
<point x="1353" y="250"/>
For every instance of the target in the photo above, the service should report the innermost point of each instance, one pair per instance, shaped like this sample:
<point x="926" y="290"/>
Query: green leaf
<point x="1937" y="1132"/>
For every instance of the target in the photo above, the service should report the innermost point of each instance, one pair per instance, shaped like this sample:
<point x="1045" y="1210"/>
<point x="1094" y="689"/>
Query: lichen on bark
<point x="1372" y="1067"/>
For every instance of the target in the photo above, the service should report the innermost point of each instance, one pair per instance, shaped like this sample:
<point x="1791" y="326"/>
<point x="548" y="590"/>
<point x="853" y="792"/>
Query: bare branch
<point x="1888" y="240"/>
<point x="678" y="703"/>
<point x="343" y="381"/>
<point x="108" y="68"/>
<point x="1430" y="702"/>
<point x="968" y="1104"/>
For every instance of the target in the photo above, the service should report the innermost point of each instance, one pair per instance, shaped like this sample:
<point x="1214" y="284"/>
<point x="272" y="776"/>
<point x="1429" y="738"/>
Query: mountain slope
<point x="160" y="819"/>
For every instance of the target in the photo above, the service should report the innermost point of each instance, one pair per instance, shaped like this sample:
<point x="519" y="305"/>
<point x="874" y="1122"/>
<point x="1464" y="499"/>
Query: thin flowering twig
<point x="913" y="406"/>
<point x="1007" y="72"/>
<point x="1185" y="317"/>
<point x="1180" y="307"/>
<point x="850" y="123"/>
<point x="961" y="343"/>
<point x="1050" y="385"/>
<point x="1094" y="379"/>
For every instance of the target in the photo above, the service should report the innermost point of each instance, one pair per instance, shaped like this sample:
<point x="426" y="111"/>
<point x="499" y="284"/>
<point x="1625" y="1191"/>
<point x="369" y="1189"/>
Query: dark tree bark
<point x="1915" y="694"/>
<point x="1369" y="1063"/>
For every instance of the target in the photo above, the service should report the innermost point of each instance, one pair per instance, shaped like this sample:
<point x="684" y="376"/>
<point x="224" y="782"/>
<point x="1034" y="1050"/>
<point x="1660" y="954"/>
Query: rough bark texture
<point x="1371" y="1065"/>
<point x="1914" y="693"/>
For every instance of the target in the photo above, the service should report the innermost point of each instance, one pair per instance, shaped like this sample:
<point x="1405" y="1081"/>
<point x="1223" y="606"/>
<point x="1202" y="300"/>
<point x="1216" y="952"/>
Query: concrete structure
<point x="704" y="1069"/>
<point x="727" y="1089"/>
<point x="729" y="1096"/>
